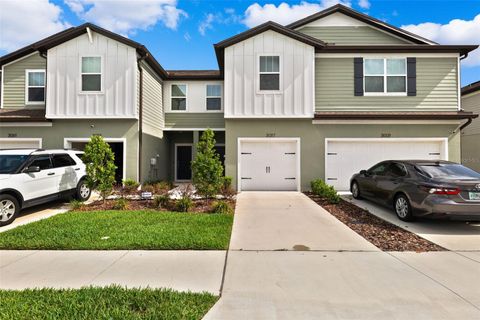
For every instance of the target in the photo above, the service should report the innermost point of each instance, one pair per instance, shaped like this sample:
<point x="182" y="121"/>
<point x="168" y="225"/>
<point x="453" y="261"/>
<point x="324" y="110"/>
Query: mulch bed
<point x="382" y="234"/>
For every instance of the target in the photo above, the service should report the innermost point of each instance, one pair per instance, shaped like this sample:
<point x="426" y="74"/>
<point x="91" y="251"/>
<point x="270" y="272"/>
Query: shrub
<point x="100" y="166"/>
<point x="227" y="191"/>
<point x="320" y="188"/>
<point x="207" y="169"/>
<point x="130" y="185"/>
<point x="76" y="204"/>
<point x="120" y="204"/>
<point x="184" y="204"/>
<point x="162" y="187"/>
<point x="221" y="207"/>
<point x="148" y="188"/>
<point x="161" y="201"/>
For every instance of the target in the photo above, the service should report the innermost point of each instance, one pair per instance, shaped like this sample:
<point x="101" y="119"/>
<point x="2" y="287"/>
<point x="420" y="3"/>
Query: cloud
<point x="364" y="4"/>
<point x="229" y="16"/>
<point x="206" y="23"/>
<point x="456" y="31"/>
<point x="126" y="17"/>
<point x="25" y="22"/>
<point x="285" y="13"/>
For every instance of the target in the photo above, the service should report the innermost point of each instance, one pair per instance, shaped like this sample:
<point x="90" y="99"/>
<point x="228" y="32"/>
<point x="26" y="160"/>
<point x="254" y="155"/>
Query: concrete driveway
<point x="342" y="277"/>
<point x="452" y="235"/>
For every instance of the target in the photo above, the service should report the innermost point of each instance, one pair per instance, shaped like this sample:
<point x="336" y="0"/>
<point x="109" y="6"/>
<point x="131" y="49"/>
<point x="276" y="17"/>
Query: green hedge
<point x="320" y="188"/>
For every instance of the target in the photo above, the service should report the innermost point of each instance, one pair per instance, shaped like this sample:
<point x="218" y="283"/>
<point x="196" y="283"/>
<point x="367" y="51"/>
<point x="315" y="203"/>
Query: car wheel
<point x="402" y="208"/>
<point x="356" y="190"/>
<point x="9" y="209"/>
<point x="83" y="191"/>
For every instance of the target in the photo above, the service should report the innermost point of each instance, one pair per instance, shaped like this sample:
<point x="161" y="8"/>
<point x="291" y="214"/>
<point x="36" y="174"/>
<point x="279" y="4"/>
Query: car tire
<point x="9" y="209"/>
<point x="83" y="192"/>
<point x="402" y="208"/>
<point x="356" y="190"/>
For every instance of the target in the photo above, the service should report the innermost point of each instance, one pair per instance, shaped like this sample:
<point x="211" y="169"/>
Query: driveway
<point x="340" y="277"/>
<point x="452" y="235"/>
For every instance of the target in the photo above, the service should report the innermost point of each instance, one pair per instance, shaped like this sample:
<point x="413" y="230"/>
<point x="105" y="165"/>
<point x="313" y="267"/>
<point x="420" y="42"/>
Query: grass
<point x="104" y="303"/>
<point x="116" y="230"/>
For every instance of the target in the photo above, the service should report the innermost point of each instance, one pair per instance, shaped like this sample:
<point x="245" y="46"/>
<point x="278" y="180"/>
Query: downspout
<point x="140" y="116"/>
<point x="466" y="124"/>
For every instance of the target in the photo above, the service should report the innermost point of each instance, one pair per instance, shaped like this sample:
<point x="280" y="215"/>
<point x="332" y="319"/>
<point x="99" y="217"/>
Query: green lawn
<point x="98" y="230"/>
<point x="104" y="303"/>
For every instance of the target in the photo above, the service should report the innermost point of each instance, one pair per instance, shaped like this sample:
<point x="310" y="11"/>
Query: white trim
<point x="327" y="140"/>
<point x="239" y="151"/>
<point x="25" y="124"/>
<point x="385" y="77"/>
<point x="39" y="140"/>
<point x="27" y="71"/>
<point x="207" y="96"/>
<point x="172" y="96"/>
<point x="193" y="129"/>
<point x="67" y="143"/>
<point x="50" y="116"/>
<point x="362" y="121"/>
<point x="102" y="78"/>
<point x="459" y="93"/>
<point x="368" y="55"/>
<point x="90" y="36"/>
<point x="309" y="116"/>
<point x="280" y="73"/>
<point x="175" y="159"/>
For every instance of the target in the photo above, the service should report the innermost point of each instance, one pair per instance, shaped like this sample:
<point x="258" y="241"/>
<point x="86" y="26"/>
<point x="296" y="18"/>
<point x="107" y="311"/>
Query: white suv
<point x="33" y="176"/>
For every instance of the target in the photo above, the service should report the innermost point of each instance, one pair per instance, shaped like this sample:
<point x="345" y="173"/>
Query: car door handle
<point x="50" y="173"/>
<point x="76" y="169"/>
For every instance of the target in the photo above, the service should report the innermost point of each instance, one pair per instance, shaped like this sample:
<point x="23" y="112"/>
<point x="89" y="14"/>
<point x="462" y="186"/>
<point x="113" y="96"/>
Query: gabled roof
<point x="270" y="25"/>
<point x="364" y="18"/>
<point x="71" y="33"/>
<point x="472" y="87"/>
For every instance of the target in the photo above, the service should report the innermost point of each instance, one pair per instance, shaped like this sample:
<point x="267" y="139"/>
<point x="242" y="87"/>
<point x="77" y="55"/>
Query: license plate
<point x="474" y="195"/>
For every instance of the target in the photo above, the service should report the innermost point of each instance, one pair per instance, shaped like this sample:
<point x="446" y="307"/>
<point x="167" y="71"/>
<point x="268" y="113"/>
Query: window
<point x="35" y="86"/>
<point x="179" y="97"/>
<point x="43" y="162"/>
<point x="214" y="97"/>
<point x="9" y="163"/>
<point x="269" y="73"/>
<point x="62" y="160"/>
<point x="385" y="76"/>
<point x="379" y="169"/>
<point x="91" y="74"/>
<point x="397" y="170"/>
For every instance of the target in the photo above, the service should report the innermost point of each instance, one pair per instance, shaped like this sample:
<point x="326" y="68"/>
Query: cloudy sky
<point x="181" y="33"/>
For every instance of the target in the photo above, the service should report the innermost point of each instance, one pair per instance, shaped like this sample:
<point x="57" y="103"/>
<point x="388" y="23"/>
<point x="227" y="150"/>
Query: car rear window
<point x="9" y="163"/>
<point x="62" y="160"/>
<point x="449" y="171"/>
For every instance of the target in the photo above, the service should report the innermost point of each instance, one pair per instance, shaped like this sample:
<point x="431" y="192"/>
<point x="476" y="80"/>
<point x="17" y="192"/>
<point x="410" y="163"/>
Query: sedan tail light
<point x="441" y="190"/>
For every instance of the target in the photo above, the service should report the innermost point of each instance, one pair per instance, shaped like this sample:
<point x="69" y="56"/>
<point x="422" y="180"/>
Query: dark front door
<point x="183" y="163"/>
<point x="221" y="152"/>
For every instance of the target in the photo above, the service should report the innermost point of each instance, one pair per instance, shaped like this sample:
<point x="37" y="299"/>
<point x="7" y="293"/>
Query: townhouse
<point x="323" y="97"/>
<point x="471" y="134"/>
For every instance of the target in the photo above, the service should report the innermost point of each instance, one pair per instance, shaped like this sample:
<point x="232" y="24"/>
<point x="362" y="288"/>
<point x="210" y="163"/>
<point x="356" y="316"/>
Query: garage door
<point x="15" y="143"/>
<point x="347" y="157"/>
<point x="271" y="165"/>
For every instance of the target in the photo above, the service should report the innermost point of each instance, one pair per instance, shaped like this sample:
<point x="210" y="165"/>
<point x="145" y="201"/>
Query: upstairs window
<point x="35" y="91"/>
<point x="179" y="97"/>
<point x="269" y="73"/>
<point x="385" y="76"/>
<point x="91" y="74"/>
<point x="214" y="97"/>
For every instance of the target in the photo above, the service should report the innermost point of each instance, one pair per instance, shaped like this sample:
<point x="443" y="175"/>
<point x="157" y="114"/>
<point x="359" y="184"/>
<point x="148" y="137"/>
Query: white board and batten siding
<point x="295" y="99"/>
<point x="118" y="98"/>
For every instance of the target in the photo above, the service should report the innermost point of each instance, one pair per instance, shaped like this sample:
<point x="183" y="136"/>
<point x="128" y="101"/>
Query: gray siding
<point x="471" y="134"/>
<point x="471" y="103"/>
<point x="348" y="35"/>
<point x="213" y="120"/>
<point x="153" y="119"/>
<point x="436" y="88"/>
<point x="14" y="81"/>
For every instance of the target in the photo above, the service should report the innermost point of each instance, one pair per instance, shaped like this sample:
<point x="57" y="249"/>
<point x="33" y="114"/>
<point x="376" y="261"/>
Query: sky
<point x="180" y="34"/>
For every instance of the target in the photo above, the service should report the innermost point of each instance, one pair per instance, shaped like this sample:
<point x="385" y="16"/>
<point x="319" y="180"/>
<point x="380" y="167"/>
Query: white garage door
<point x="347" y="157"/>
<point x="271" y="164"/>
<point x="16" y="143"/>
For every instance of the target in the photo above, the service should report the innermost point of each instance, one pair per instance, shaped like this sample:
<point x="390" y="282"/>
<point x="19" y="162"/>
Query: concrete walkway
<point x="452" y="235"/>
<point x="334" y="282"/>
<point x="195" y="271"/>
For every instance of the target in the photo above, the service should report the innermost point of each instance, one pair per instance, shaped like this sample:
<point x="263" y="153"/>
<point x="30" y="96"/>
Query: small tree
<point x="99" y="161"/>
<point x="207" y="169"/>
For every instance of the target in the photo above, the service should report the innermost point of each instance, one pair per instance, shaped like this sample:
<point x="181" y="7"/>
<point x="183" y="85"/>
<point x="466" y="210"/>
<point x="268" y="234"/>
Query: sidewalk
<point x="195" y="271"/>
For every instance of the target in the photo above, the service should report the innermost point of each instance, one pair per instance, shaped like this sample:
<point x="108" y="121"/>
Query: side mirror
<point x="32" y="169"/>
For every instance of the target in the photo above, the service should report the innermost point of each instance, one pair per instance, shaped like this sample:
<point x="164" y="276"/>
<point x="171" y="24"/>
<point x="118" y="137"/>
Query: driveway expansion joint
<point x="109" y="266"/>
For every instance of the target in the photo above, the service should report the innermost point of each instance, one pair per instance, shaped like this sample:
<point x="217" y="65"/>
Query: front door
<point x="183" y="159"/>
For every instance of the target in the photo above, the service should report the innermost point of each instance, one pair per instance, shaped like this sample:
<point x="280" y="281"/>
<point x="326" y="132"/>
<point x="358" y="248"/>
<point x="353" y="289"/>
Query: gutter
<point x="140" y="115"/>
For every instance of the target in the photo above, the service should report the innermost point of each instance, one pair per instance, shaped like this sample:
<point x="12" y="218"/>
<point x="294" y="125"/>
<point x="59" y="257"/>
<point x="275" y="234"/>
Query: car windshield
<point x="9" y="163"/>
<point x="449" y="171"/>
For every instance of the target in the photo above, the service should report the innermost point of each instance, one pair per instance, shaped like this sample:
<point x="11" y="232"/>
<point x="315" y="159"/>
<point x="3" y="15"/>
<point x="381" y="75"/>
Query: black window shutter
<point x="358" y="76"/>
<point x="411" y="76"/>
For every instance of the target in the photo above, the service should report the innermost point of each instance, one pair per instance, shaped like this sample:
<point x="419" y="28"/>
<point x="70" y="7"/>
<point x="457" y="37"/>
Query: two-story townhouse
<point x="471" y="134"/>
<point x="323" y="97"/>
